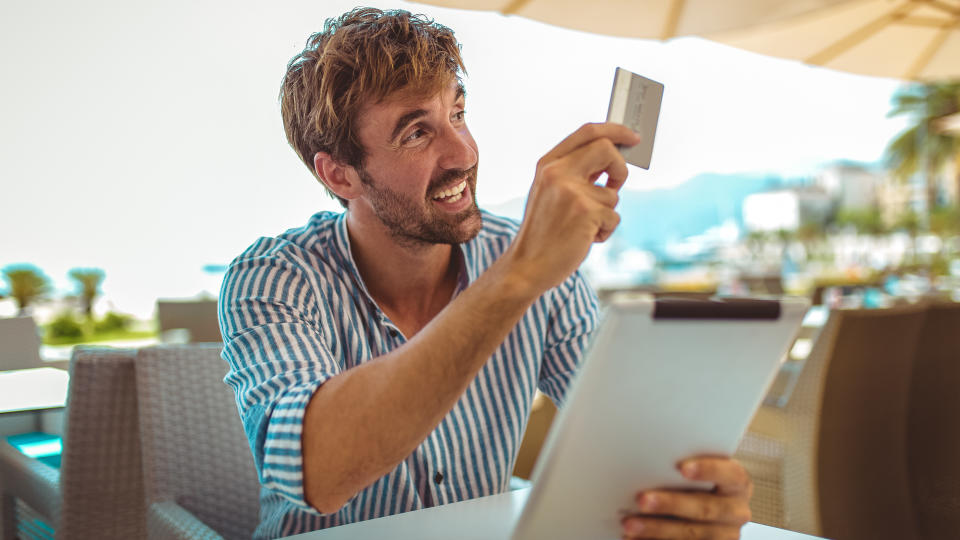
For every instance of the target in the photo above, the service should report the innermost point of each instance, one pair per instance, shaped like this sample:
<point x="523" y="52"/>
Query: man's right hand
<point x="566" y="211"/>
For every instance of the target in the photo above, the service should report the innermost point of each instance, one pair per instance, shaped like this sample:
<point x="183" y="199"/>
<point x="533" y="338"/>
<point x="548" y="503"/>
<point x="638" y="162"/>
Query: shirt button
<point x="438" y="478"/>
<point x="394" y="333"/>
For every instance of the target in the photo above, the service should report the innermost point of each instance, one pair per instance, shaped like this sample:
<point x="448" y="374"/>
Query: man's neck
<point x="410" y="283"/>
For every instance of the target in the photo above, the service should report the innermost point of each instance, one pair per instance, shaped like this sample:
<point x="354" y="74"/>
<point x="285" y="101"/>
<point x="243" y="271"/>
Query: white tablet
<point x="663" y="380"/>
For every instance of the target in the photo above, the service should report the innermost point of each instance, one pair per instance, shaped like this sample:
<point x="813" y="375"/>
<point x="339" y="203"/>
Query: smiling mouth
<point x="453" y="194"/>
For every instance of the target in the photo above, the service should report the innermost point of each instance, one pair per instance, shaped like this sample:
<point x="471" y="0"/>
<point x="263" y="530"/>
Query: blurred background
<point x="806" y="148"/>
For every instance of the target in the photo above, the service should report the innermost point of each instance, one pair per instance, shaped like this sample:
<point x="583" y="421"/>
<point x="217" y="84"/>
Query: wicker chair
<point x="20" y="344"/>
<point x="198" y="318"/>
<point x="934" y="438"/>
<point x="199" y="476"/>
<point x="98" y="490"/>
<point x="833" y="462"/>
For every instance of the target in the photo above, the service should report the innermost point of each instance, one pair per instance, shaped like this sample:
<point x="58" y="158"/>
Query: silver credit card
<point x="635" y="103"/>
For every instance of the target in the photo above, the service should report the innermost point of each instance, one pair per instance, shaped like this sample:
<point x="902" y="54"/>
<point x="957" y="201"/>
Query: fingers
<point x="592" y="160"/>
<point x="695" y="506"/>
<point x="606" y="196"/>
<point x="729" y="475"/>
<point x="648" y="527"/>
<point x="617" y="134"/>
<point x="605" y="217"/>
<point x="608" y="220"/>
<point x="597" y="157"/>
<point x="696" y="514"/>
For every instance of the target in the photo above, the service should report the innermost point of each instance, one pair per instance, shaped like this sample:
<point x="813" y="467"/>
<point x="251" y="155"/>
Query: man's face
<point x="420" y="171"/>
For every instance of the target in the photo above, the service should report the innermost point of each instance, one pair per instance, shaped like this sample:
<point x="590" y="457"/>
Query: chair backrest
<point x="934" y="434"/>
<point x="845" y="473"/>
<point x="19" y="344"/>
<point x="101" y="482"/>
<point x="195" y="452"/>
<point x="199" y="317"/>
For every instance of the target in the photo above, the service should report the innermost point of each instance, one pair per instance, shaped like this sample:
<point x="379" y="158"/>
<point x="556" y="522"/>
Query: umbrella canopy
<point x="656" y="19"/>
<point x="949" y="124"/>
<point x="905" y="39"/>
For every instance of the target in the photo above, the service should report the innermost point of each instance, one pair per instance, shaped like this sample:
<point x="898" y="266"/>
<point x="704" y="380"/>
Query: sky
<point x="145" y="138"/>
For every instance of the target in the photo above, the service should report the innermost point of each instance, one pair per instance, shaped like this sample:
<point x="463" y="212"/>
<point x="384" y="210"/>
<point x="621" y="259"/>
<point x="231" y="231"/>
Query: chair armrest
<point x="30" y="480"/>
<point x="167" y="520"/>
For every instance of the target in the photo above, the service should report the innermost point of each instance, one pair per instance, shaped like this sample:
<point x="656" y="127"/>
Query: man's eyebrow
<point x="409" y="117"/>
<point x="404" y="120"/>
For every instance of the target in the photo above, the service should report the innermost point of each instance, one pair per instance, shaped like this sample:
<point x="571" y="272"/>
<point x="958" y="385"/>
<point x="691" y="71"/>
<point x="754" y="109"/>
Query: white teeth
<point x="454" y="191"/>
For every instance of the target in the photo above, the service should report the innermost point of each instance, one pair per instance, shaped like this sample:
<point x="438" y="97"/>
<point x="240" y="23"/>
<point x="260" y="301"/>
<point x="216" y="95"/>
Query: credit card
<point x="635" y="103"/>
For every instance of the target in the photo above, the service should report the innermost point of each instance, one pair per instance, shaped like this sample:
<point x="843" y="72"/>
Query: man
<point x="385" y="359"/>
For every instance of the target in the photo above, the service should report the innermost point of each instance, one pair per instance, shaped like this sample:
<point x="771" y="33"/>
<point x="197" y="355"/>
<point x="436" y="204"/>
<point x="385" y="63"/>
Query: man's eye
<point x="460" y="115"/>
<point x="413" y="136"/>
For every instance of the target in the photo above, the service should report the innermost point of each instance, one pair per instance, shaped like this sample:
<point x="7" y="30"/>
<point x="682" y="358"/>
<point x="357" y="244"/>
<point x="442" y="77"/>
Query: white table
<point x="487" y="518"/>
<point x="32" y="399"/>
<point x="33" y="389"/>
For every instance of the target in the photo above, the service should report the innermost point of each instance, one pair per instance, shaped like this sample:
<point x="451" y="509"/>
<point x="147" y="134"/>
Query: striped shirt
<point x="294" y="312"/>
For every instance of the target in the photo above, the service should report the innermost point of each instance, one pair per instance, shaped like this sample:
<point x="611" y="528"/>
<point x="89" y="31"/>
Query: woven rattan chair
<point x="934" y="434"/>
<point x="19" y="344"/>
<point x="833" y="462"/>
<point x="199" y="476"/>
<point x="98" y="490"/>
<point x="198" y="318"/>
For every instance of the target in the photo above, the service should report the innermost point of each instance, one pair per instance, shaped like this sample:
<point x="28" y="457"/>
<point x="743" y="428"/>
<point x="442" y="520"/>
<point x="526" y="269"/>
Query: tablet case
<point x="662" y="380"/>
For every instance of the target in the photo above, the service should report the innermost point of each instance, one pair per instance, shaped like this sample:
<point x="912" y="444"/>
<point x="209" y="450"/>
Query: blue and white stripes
<point x="294" y="312"/>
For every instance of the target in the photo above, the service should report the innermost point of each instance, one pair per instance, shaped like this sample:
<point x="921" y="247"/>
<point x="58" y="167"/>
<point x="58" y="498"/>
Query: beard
<point x="415" y="223"/>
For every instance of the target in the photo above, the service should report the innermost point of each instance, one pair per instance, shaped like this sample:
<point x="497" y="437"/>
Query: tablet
<point x="663" y="380"/>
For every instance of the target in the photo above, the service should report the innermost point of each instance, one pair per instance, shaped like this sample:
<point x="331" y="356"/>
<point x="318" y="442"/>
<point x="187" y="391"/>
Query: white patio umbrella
<point x="949" y="124"/>
<point x="905" y="39"/>
<point x="654" y="19"/>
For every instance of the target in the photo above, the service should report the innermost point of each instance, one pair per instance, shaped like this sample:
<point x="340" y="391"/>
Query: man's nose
<point x="458" y="150"/>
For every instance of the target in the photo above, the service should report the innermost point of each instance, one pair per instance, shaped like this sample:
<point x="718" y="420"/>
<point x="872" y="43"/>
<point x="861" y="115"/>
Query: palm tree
<point x="26" y="284"/>
<point x="88" y="281"/>
<point x="922" y="147"/>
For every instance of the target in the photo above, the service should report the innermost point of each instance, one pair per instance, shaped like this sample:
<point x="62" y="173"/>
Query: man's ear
<point x="341" y="179"/>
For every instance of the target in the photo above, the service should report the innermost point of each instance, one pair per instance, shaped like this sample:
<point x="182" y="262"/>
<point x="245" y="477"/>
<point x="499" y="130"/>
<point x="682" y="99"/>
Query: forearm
<point x="360" y="424"/>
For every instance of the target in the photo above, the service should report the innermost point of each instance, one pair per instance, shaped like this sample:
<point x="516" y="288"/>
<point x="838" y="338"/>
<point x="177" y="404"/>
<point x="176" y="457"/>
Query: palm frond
<point x="902" y="154"/>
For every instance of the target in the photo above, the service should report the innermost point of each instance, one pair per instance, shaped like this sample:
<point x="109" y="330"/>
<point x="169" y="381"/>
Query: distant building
<point x="786" y="209"/>
<point x="894" y="199"/>
<point x="853" y="185"/>
<point x="862" y="186"/>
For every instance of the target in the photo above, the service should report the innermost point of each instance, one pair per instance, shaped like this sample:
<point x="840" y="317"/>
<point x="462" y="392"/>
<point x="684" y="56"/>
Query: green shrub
<point x="864" y="220"/>
<point x="65" y="325"/>
<point x="112" y="322"/>
<point x="945" y="220"/>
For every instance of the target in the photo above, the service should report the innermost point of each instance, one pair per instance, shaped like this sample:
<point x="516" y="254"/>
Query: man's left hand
<point x="717" y="514"/>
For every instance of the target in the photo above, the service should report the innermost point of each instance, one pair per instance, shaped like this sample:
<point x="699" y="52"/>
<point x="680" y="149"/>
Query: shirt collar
<point x="345" y="255"/>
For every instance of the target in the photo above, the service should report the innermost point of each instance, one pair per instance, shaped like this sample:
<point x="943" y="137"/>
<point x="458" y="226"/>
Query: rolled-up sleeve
<point x="574" y="316"/>
<point x="270" y="318"/>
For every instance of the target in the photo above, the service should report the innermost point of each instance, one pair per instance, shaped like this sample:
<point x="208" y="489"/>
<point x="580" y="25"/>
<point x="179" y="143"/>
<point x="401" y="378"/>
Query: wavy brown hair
<point x="361" y="57"/>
